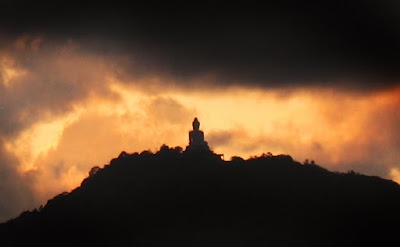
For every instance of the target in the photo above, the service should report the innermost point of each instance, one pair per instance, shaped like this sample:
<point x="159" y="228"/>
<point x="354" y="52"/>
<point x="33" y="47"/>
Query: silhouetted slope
<point x="182" y="199"/>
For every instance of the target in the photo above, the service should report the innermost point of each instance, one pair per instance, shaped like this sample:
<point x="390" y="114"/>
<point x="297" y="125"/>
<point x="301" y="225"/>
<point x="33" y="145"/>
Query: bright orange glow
<point x="101" y="116"/>
<point x="322" y="125"/>
<point x="395" y="175"/>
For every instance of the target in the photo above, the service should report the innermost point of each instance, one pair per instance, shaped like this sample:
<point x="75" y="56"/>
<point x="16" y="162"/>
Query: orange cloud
<point x="307" y="124"/>
<point x="72" y="110"/>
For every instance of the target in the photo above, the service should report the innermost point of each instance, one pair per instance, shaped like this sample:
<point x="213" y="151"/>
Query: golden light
<point x="323" y="125"/>
<point x="9" y="71"/>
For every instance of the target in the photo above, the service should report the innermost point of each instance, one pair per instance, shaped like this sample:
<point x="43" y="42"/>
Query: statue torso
<point x="196" y="137"/>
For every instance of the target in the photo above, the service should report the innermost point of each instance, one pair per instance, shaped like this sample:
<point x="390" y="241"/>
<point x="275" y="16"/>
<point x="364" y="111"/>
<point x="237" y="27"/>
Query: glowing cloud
<point x="69" y="110"/>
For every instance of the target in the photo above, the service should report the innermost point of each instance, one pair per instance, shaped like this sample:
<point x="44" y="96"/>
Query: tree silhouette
<point x="179" y="198"/>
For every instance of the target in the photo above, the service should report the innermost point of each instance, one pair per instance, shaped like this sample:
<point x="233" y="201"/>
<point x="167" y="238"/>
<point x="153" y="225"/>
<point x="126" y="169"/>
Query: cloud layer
<point x="352" y="45"/>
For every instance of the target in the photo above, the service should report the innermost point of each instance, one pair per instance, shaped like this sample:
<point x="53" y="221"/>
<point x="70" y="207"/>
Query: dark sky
<point x="351" y="44"/>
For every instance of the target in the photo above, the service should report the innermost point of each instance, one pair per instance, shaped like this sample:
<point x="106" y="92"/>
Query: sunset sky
<point x="79" y="83"/>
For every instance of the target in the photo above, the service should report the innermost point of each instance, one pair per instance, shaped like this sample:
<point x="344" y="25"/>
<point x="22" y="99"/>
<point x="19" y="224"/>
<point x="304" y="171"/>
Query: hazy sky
<point x="79" y="83"/>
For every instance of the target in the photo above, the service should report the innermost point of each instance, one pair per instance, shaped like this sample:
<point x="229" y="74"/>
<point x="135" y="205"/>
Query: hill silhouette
<point x="176" y="198"/>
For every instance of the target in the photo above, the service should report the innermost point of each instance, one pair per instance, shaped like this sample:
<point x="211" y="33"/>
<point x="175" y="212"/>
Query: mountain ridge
<point x="193" y="198"/>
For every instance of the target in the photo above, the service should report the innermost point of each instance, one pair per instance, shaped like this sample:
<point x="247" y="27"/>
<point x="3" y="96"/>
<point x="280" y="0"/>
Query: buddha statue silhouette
<point x="196" y="138"/>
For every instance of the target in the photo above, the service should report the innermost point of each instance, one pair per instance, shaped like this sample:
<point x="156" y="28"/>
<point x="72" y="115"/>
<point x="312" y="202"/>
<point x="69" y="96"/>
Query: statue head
<point x="196" y="124"/>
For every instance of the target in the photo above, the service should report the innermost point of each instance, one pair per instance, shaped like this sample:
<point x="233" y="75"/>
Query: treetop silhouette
<point x="194" y="198"/>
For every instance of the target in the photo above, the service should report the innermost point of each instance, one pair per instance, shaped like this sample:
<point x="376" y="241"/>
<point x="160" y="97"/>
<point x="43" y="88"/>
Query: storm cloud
<point x="345" y="44"/>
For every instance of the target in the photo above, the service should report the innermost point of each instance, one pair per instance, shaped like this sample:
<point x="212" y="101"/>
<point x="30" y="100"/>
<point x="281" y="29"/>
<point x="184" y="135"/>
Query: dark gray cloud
<point x="352" y="44"/>
<point x="52" y="81"/>
<point x="16" y="193"/>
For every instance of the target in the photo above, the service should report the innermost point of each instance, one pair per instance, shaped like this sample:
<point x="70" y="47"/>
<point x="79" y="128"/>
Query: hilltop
<point x="176" y="198"/>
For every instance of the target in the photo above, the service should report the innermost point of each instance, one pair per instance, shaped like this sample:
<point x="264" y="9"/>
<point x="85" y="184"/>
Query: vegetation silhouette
<point x="194" y="198"/>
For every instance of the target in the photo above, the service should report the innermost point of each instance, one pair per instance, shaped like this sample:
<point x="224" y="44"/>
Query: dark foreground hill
<point x="181" y="199"/>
